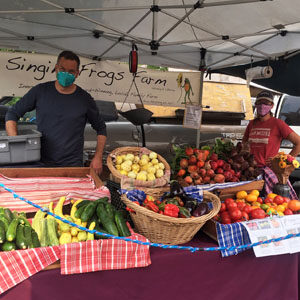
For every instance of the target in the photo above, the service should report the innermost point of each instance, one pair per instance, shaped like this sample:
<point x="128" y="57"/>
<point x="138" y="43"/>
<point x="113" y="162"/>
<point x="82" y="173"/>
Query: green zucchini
<point x="94" y="218"/>
<point x="52" y="235"/>
<point x="88" y="211"/>
<point x="8" y="214"/>
<point x="35" y="239"/>
<point x="2" y="232"/>
<point x="80" y="210"/>
<point x="121" y="224"/>
<point x="12" y="230"/>
<point x="4" y="221"/>
<point x="24" y="221"/>
<point x="8" y="246"/>
<point x="27" y="235"/>
<point x="107" y="222"/>
<point x="1" y="210"/>
<point x="20" y="237"/>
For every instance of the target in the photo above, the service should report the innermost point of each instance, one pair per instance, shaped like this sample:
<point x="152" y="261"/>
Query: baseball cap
<point x="265" y="95"/>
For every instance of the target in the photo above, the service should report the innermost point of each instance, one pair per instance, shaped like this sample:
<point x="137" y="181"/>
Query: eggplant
<point x="200" y="210"/>
<point x="190" y="204"/>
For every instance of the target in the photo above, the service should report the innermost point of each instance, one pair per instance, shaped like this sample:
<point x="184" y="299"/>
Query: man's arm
<point x="11" y="128"/>
<point x="295" y="139"/>
<point x="96" y="162"/>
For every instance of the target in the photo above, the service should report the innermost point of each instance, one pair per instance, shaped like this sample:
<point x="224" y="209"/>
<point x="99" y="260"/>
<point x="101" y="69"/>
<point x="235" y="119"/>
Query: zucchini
<point x="80" y="210"/>
<point x="12" y="230"/>
<point x="44" y="233"/>
<point x="2" y="232"/>
<point x="4" y="221"/>
<point x="20" y="237"/>
<point x="88" y="211"/>
<point x="121" y="224"/>
<point x="94" y="218"/>
<point x="27" y="235"/>
<point x="107" y="222"/>
<point x="8" y="246"/>
<point x="24" y="221"/>
<point x="35" y="239"/>
<point x="51" y="228"/>
<point x="1" y="210"/>
<point x="83" y="203"/>
<point x="8" y="214"/>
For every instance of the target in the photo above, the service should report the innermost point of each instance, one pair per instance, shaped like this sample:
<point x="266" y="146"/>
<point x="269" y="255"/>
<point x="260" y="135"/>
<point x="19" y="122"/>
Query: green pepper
<point x="184" y="212"/>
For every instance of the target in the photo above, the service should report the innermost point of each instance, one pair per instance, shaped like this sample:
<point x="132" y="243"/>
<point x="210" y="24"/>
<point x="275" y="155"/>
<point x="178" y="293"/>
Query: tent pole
<point x="200" y="104"/>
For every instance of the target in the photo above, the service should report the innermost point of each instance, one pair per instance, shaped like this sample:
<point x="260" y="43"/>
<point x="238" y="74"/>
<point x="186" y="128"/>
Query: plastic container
<point x="25" y="147"/>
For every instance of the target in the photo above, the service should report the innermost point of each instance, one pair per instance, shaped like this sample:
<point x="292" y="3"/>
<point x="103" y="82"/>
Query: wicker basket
<point x="115" y="174"/>
<point x="167" y="230"/>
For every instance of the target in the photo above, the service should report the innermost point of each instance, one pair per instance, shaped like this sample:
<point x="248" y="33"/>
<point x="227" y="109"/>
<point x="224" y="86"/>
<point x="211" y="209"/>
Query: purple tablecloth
<point x="174" y="274"/>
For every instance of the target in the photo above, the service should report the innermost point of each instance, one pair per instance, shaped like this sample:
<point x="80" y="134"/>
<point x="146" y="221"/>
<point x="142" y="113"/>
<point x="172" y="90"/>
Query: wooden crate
<point x="52" y="172"/>
<point x="209" y="228"/>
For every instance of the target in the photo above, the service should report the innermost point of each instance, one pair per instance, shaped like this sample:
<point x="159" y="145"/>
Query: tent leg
<point x="143" y="136"/>
<point x="200" y="104"/>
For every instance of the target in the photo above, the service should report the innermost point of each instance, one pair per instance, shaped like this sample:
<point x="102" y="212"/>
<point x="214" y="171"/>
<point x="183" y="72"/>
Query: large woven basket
<point x="115" y="174"/>
<point x="168" y="230"/>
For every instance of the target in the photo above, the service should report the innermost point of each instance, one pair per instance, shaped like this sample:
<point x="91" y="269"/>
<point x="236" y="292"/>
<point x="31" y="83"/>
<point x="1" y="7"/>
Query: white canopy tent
<point x="166" y="32"/>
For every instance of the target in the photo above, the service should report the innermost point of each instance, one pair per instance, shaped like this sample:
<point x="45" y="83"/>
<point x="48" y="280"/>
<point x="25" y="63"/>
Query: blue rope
<point x="191" y="249"/>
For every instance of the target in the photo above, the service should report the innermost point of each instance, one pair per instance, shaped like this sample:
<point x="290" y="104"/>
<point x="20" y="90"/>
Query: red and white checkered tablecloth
<point x="90" y="256"/>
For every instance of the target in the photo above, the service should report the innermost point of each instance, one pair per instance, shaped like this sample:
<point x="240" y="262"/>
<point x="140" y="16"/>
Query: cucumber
<point x="12" y="230"/>
<point x="2" y="232"/>
<point x="4" y="221"/>
<point x="1" y="210"/>
<point x="80" y="210"/>
<point x="9" y="246"/>
<point x="27" y="235"/>
<point x="102" y="200"/>
<point x="94" y="218"/>
<point x="35" y="239"/>
<point x="44" y="233"/>
<point x="83" y="203"/>
<point x="88" y="211"/>
<point x="121" y="224"/>
<point x="8" y="214"/>
<point x="107" y="222"/>
<point x="51" y="228"/>
<point x="110" y="210"/>
<point x="24" y="221"/>
<point x="20" y="237"/>
<point x="98" y="236"/>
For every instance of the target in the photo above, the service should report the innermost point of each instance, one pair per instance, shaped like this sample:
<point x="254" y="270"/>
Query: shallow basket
<point x="115" y="174"/>
<point x="168" y="230"/>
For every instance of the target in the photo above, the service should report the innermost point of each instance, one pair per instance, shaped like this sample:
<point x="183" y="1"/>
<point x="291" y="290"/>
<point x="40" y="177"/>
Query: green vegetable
<point x="110" y="210"/>
<point x="1" y="210"/>
<point x="2" y="232"/>
<point x="8" y="214"/>
<point x="20" y="237"/>
<point x="44" y="233"/>
<point x="52" y="235"/>
<point x="35" y="239"/>
<point x="80" y="210"/>
<point x="184" y="212"/>
<point x="27" y="235"/>
<point x="88" y="211"/>
<point x="106" y="220"/>
<point x="83" y="203"/>
<point x="100" y="229"/>
<point x="24" y="221"/>
<point x="4" y="221"/>
<point x="8" y="246"/>
<point x="121" y="224"/>
<point x="12" y="230"/>
<point x="102" y="200"/>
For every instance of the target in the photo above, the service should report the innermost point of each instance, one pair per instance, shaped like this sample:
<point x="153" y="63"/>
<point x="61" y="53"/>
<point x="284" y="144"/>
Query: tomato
<point x="286" y="199"/>
<point x="232" y="206"/>
<point x="226" y="220"/>
<point x="247" y="209"/>
<point x="228" y="200"/>
<point x="258" y="213"/>
<point x="245" y="216"/>
<point x="235" y="214"/>
<point x="278" y="200"/>
<point x="241" y="205"/>
<point x="288" y="212"/>
<point x="224" y="214"/>
<point x="223" y="207"/>
<point x="268" y="200"/>
<point x="259" y="200"/>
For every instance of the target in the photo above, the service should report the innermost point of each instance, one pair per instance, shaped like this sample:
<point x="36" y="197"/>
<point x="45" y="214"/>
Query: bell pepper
<point x="184" y="212"/>
<point x="151" y="206"/>
<point x="171" y="210"/>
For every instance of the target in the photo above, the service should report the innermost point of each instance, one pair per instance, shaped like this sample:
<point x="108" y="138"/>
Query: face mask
<point x="263" y="109"/>
<point x="65" y="79"/>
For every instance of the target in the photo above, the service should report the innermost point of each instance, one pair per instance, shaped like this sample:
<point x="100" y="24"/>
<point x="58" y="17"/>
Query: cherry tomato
<point x="278" y="200"/>
<point x="231" y="206"/>
<point x="228" y="200"/>
<point x="235" y="214"/>
<point x="223" y="207"/>
<point x="259" y="200"/>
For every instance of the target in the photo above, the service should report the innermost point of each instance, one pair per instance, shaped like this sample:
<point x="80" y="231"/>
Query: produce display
<point x="246" y="206"/>
<point x="223" y="162"/>
<point x="175" y="204"/>
<point x="145" y="167"/>
<point x="16" y="231"/>
<point x="97" y="215"/>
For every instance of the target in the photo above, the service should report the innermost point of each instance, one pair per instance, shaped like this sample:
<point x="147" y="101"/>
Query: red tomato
<point x="286" y="199"/>
<point x="224" y="214"/>
<point x="226" y="220"/>
<point x="247" y="209"/>
<point x="258" y="213"/>
<point x="241" y="205"/>
<point x="288" y="212"/>
<point x="278" y="200"/>
<point x="223" y="207"/>
<point x="228" y="200"/>
<point x="259" y="200"/>
<point x="231" y="206"/>
<point x="245" y="216"/>
<point x="235" y="214"/>
<point x="268" y="200"/>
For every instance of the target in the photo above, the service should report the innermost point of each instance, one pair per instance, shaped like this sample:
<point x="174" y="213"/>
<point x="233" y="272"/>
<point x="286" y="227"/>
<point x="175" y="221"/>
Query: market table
<point x="174" y="274"/>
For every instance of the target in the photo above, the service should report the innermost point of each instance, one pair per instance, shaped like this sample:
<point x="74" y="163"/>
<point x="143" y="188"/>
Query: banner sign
<point x="104" y="80"/>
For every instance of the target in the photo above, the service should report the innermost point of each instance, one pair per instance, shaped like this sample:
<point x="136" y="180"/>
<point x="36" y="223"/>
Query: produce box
<point x="22" y="148"/>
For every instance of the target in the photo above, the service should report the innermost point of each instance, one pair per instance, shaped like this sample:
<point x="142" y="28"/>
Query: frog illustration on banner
<point x="187" y="88"/>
